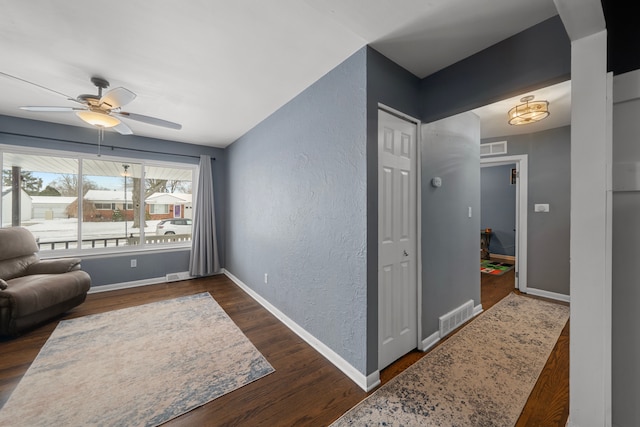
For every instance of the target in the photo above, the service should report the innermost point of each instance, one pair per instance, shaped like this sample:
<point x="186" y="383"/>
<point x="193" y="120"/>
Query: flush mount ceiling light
<point x="528" y="112"/>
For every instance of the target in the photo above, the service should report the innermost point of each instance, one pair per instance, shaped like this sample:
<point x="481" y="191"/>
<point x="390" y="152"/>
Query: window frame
<point x="80" y="157"/>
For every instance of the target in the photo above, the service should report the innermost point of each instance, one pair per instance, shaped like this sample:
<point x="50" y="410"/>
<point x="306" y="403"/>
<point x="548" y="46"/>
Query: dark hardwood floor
<point x="305" y="389"/>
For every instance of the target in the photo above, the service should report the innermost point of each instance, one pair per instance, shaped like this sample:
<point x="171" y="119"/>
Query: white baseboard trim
<point x="547" y="294"/>
<point x="143" y="282"/>
<point x="126" y="285"/>
<point x="477" y="310"/>
<point x="367" y="383"/>
<point x="430" y="341"/>
<point x="507" y="257"/>
<point x="373" y="381"/>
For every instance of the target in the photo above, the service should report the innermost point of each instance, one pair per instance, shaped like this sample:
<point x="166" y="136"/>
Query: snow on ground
<point x="67" y="229"/>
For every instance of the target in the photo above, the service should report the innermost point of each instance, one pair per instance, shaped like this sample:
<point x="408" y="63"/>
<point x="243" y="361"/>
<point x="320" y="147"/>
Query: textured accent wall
<point x="450" y="236"/>
<point x="297" y="209"/>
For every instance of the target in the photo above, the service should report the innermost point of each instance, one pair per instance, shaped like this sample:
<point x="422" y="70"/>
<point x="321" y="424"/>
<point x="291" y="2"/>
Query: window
<point x="122" y="200"/>
<point x="47" y="189"/>
<point x="158" y="209"/>
<point x="105" y="206"/>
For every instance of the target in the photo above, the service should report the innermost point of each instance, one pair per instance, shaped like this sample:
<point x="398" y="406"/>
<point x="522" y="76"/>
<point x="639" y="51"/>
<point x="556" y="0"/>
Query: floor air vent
<point x="455" y="318"/>
<point x="174" y="277"/>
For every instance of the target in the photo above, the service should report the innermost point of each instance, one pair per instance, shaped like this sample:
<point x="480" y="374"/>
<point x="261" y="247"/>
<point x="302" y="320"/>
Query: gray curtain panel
<point x="204" y="247"/>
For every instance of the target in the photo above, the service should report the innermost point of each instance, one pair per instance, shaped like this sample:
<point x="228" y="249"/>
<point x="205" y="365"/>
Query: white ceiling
<point x="221" y="67"/>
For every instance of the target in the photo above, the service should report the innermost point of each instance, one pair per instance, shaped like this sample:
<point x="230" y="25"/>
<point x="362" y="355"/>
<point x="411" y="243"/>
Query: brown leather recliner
<point x="34" y="290"/>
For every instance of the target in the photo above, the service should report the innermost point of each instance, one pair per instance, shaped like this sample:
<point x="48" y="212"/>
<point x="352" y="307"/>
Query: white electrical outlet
<point x="469" y="211"/>
<point x="266" y="278"/>
<point x="134" y="263"/>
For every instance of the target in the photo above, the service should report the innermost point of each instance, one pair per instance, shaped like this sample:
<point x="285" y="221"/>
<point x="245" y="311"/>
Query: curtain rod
<point x="140" y="150"/>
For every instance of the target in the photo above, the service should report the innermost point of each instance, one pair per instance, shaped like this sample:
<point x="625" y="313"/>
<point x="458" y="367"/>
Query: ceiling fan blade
<point x="117" y="97"/>
<point x="50" y="109"/>
<point x="123" y="129"/>
<point x="149" y="120"/>
<point x="70" y="98"/>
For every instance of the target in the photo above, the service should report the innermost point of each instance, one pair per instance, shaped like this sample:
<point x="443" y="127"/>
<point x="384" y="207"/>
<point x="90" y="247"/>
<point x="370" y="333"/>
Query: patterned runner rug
<point x="481" y="376"/>
<point x="139" y="366"/>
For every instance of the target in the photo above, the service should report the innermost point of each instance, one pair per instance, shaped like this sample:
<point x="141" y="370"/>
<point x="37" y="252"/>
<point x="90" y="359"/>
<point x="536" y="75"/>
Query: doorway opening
<point x="519" y="177"/>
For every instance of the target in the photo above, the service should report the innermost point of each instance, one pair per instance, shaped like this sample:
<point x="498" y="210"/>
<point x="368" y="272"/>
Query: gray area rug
<point x="139" y="366"/>
<point x="481" y="376"/>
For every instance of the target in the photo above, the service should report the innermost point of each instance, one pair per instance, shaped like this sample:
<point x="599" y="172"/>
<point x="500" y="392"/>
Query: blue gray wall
<point x="549" y="161"/>
<point x="625" y="263"/>
<point x="115" y="268"/>
<point x="498" y="72"/>
<point x="450" y="236"/>
<point x="535" y="58"/>
<point x="297" y="209"/>
<point x="498" y="208"/>
<point x="305" y="180"/>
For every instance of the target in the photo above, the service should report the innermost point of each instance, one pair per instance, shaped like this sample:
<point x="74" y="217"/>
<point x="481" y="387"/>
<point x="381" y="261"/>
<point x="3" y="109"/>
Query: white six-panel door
<point x="397" y="249"/>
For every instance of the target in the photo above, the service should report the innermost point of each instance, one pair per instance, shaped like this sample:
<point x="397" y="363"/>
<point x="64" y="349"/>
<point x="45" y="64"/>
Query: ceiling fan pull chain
<point x="100" y="138"/>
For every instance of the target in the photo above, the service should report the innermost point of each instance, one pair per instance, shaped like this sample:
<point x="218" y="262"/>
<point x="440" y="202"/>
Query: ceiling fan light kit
<point x="96" y="118"/>
<point x="528" y="112"/>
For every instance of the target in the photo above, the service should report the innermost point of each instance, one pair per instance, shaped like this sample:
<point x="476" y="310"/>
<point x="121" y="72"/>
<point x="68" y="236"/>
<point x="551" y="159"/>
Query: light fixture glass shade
<point x="529" y="112"/>
<point x="98" y="119"/>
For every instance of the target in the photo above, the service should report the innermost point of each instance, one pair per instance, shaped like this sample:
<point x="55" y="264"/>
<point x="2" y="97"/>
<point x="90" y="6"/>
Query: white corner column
<point x="591" y="196"/>
<point x="591" y="214"/>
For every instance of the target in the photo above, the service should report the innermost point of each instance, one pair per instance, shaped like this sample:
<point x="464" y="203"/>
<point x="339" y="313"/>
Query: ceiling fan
<point x="101" y="110"/>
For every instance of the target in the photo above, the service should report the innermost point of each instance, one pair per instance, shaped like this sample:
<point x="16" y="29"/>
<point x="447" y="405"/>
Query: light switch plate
<point x="541" y="207"/>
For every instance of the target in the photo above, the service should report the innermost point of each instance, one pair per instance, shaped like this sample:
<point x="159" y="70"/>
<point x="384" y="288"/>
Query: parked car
<point x="174" y="226"/>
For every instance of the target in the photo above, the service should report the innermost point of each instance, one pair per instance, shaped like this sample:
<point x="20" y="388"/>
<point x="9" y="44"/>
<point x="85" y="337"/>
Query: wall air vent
<point x="455" y="318"/>
<point x="493" y="148"/>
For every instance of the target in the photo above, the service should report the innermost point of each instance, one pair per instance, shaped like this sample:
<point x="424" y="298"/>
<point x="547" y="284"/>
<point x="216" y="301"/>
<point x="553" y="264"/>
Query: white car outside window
<point x="174" y="226"/>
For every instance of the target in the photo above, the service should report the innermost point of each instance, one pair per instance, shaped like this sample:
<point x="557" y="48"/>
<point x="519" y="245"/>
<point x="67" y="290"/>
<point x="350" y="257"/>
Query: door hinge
<point x="517" y="274"/>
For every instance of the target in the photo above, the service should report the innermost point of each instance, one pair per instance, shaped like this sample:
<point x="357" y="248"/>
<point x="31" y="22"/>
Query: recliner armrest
<point x="54" y="266"/>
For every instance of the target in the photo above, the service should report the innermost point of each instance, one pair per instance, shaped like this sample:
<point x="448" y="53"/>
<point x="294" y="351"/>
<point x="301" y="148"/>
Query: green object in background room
<point x="495" y="268"/>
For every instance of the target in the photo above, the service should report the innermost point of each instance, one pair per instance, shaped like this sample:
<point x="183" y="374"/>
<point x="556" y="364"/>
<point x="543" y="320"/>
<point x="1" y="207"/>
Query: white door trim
<point x="418" y="237"/>
<point x="522" y="186"/>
